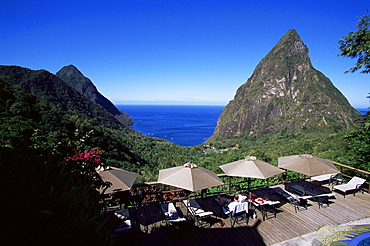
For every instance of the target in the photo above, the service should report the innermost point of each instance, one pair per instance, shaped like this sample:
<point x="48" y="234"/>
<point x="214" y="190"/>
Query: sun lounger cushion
<point x="323" y="177"/>
<point x="353" y="184"/>
<point x="195" y="208"/>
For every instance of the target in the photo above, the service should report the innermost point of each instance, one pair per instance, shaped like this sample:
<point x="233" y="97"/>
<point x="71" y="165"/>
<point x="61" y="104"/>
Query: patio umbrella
<point x="307" y="164"/>
<point x="189" y="177"/>
<point x="121" y="180"/>
<point x="251" y="167"/>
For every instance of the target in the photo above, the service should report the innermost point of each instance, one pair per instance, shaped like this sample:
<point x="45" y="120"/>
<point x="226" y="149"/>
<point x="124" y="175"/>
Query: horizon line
<point x="156" y="104"/>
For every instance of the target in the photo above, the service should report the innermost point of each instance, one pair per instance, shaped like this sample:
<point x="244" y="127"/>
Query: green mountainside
<point x="44" y="122"/>
<point x="45" y="85"/>
<point x="286" y="94"/>
<point x="72" y="116"/>
<point x="72" y="76"/>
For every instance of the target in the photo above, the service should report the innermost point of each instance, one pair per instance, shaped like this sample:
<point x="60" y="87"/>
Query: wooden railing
<point x="342" y="166"/>
<point x="235" y="187"/>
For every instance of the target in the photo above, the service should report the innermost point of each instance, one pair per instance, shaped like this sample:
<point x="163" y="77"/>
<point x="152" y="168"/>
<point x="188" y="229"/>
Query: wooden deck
<point x="287" y="225"/>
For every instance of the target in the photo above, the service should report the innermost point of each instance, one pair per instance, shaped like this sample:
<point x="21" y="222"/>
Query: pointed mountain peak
<point x="69" y="68"/>
<point x="72" y="76"/>
<point x="289" y="53"/>
<point x="285" y="93"/>
<point x="291" y="35"/>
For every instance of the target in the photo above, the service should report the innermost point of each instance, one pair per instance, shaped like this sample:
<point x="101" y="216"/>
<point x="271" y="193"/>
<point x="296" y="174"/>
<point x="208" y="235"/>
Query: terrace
<point x="149" y="227"/>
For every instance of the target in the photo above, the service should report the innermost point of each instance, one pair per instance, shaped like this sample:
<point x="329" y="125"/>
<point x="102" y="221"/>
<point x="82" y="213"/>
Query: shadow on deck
<point x="288" y="224"/>
<point x="189" y="234"/>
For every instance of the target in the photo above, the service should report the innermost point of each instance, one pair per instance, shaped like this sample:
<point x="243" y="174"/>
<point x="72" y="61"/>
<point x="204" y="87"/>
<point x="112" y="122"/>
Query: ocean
<point x="362" y="110"/>
<point x="185" y="125"/>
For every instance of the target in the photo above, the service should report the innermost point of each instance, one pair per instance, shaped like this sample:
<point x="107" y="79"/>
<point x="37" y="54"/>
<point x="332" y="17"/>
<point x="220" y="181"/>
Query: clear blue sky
<point x="176" y="51"/>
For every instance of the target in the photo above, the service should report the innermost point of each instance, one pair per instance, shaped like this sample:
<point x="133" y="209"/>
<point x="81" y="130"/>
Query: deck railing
<point x="149" y="192"/>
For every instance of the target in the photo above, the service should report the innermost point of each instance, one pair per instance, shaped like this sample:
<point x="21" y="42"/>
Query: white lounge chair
<point x="323" y="178"/>
<point x="171" y="213"/>
<point x="353" y="185"/>
<point x="195" y="210"/>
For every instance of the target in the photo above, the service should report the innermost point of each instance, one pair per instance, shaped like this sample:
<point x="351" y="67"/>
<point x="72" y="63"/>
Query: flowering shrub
<point x="83" y="165"/>
<point x="88" y="157"/>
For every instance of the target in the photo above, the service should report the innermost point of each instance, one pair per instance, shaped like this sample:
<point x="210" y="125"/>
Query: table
<point x="265" y="206"/>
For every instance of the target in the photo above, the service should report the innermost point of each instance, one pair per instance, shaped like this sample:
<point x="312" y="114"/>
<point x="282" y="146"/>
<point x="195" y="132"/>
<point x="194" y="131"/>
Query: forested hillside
<point x="41" y="188"/>
<point x="45" y="85"/>
<point x="72" y="76"/>
<point x="48" y="157"/>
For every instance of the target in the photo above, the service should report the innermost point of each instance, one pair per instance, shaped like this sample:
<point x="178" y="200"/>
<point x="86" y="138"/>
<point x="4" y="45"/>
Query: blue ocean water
<point x="185" y="125"/>
<point x="362" y="110"/>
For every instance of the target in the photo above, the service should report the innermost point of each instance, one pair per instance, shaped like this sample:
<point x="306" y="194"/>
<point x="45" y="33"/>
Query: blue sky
<point x="176" y="51"/>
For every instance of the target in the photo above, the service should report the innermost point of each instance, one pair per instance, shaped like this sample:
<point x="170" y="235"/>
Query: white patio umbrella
<point x="307" y="164"/>
<point x="121" y="180"/>
<point x="251" y="167"/>
<point x="189" y="177"/>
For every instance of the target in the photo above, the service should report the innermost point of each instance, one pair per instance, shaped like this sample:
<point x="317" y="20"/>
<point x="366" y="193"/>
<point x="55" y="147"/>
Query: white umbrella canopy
<point x="251" y="167"/>
<point x="121" y="180"/>
<point x="307" y="164"/>
<point x="189" y="177"/>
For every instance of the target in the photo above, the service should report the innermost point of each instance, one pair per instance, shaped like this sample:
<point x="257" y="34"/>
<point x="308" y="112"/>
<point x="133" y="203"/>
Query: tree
<point x="359" y="145"/>
<point x="357" y="45"/>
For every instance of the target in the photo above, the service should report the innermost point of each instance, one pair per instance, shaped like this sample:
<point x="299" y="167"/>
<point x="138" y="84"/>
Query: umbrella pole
<point x="283" y="177"/>
<point x="229" y="184"/>
<point x="249" y="191"/>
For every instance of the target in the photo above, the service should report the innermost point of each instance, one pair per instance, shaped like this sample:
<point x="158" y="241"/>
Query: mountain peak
<point x="285" y="92"/>
<point x="72" y="76"/>
<point x="290" y="52"/>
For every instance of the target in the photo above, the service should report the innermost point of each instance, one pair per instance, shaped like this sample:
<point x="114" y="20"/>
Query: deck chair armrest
<point x="358" y="186"/>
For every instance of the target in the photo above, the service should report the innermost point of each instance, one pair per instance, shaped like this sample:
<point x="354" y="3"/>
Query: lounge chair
<point x="239" y="214"/>
<point x="296" y="201"/>
<point x="172" y="214"/>
<point x="323" y="178"/>
<point x="320" y="198"/>
<point x="195" y="211"/>
<point x="353" y="185"/>
<point x="125" y="222"/>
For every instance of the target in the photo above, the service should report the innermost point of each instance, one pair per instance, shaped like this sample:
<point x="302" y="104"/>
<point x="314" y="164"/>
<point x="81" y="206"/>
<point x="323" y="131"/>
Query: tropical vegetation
<point x="48" y="156"/>
<point x="357" y="45"/>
